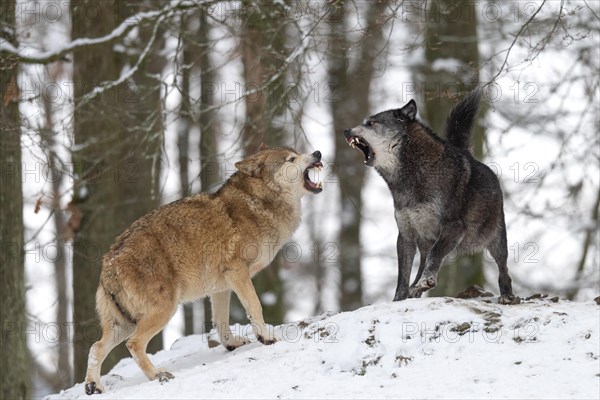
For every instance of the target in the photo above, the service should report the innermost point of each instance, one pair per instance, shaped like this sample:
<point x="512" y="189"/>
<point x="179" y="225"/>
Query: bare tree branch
<point x="101" y="89"/>
<point x="119" y="32"/>
<point x="513" y="43"/>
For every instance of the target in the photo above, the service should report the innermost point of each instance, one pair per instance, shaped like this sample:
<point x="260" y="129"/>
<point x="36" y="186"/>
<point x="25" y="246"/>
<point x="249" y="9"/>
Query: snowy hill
<point x="420" y="348"/>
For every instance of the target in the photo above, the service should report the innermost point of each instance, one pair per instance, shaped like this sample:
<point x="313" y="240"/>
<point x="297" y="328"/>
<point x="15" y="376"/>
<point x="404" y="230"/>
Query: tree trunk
<point x="96" y="195"/>
<point x="252" y="42"/>
<point x="13" y="356"/>
<point x="184" y="125"/>
<point x="209" y="130"/>
<point x="451" y="36"/>
<point x="586" y="245"/>
<point x="350" y="83"/>
<point x="64" y="377"/>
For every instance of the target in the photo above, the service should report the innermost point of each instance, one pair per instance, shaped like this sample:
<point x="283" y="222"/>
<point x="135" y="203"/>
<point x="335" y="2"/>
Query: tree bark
<point x="13" y="351"/>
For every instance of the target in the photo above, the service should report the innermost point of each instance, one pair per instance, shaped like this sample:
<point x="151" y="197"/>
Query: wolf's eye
<point x="369" y="123"/>
<point x="292" y="159"/>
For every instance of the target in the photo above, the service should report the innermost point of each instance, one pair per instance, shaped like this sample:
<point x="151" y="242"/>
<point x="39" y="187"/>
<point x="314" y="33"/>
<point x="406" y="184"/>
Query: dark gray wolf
<point x="202" y="245"/>
<point x="444" y="199"/>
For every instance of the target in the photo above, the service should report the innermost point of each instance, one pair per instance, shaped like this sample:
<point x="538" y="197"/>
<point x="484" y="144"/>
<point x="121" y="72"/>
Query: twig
<point x="120" y="31"/>
<point x="513" y="43"/>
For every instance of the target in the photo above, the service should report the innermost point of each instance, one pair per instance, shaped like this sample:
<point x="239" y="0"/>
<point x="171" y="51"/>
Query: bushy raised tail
<point x="461" y="118"/>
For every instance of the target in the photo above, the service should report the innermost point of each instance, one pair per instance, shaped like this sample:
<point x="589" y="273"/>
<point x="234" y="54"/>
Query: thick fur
<point x="460" y="121"/>
<point x="203" y="245"/>
<point x="444" y="199"/>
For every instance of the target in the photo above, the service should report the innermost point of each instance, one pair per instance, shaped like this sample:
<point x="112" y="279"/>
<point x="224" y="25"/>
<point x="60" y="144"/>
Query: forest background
<point x="112" y="108"/>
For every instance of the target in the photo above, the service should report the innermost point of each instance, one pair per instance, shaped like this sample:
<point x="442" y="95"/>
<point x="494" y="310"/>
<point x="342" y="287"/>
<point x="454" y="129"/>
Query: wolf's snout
<point x="347" y="133"/>
<point x="317" y="154"/>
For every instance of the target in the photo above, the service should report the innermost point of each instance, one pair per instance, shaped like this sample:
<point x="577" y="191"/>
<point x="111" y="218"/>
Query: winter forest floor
<point x="418" y="348"/>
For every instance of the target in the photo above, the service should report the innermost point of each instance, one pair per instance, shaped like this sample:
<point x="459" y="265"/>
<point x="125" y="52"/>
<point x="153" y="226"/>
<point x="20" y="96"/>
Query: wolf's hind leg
<point x="147" y="327"/>
<point x="499" y="250"/>
<point x="220" y="316"/>
<point x="112" y="334"/>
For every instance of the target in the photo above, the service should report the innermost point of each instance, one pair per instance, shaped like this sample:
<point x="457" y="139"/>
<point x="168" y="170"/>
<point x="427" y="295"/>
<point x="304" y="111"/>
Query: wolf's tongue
<point x="311" y="184"/>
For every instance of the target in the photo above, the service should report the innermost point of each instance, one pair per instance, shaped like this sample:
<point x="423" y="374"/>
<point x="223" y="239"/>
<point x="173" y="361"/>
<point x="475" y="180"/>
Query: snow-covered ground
<point x="419" y="348"/>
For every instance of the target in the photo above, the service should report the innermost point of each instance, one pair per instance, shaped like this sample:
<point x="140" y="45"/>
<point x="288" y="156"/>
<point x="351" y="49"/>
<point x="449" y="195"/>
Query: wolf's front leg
<point x="241" y="283"/>
<point x="220" y="316"/>
<point x="406" y="250"/>
<point x="424" y="247"/>
<point x="451" y="235"/>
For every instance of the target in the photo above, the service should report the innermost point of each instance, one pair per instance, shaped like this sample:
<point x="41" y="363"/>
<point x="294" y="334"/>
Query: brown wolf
<point x="444" y="199"/>
<point x="207" y="244"/>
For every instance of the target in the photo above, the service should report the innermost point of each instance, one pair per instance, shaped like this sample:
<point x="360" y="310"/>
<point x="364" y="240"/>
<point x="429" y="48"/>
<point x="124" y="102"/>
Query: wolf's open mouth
<point x="362" y="145"/>
<point x="310" y="185"/>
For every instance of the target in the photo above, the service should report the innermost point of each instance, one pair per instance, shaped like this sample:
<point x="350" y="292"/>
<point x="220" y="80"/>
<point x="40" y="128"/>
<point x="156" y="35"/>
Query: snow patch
<point x="447" y="64"/>
<point x="419" y="348"/>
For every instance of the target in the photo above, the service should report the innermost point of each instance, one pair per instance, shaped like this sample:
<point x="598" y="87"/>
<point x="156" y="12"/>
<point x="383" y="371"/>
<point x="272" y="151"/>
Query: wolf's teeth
<point x="320" y="185"/>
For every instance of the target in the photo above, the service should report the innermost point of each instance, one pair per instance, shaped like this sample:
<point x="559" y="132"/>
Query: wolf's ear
<point x="252" y="166"/>
<point x="263" y="146"/>
<point x="408" y="111"/>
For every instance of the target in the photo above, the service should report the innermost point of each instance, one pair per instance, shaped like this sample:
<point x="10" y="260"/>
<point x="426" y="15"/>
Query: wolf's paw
<point x="429" y="282"/>
<point x="235" y="342"/>
<point x="164" y="376"/>
<point x="266" y="341"/>
<point x="422" y="286"/>
<point x="509" y="299"/>
<point x="92" y="387"/>
<point x="415" y="292"/>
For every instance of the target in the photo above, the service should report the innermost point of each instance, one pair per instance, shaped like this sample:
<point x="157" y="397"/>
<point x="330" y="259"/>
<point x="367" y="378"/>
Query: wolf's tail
<point x="461" y="118"/>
